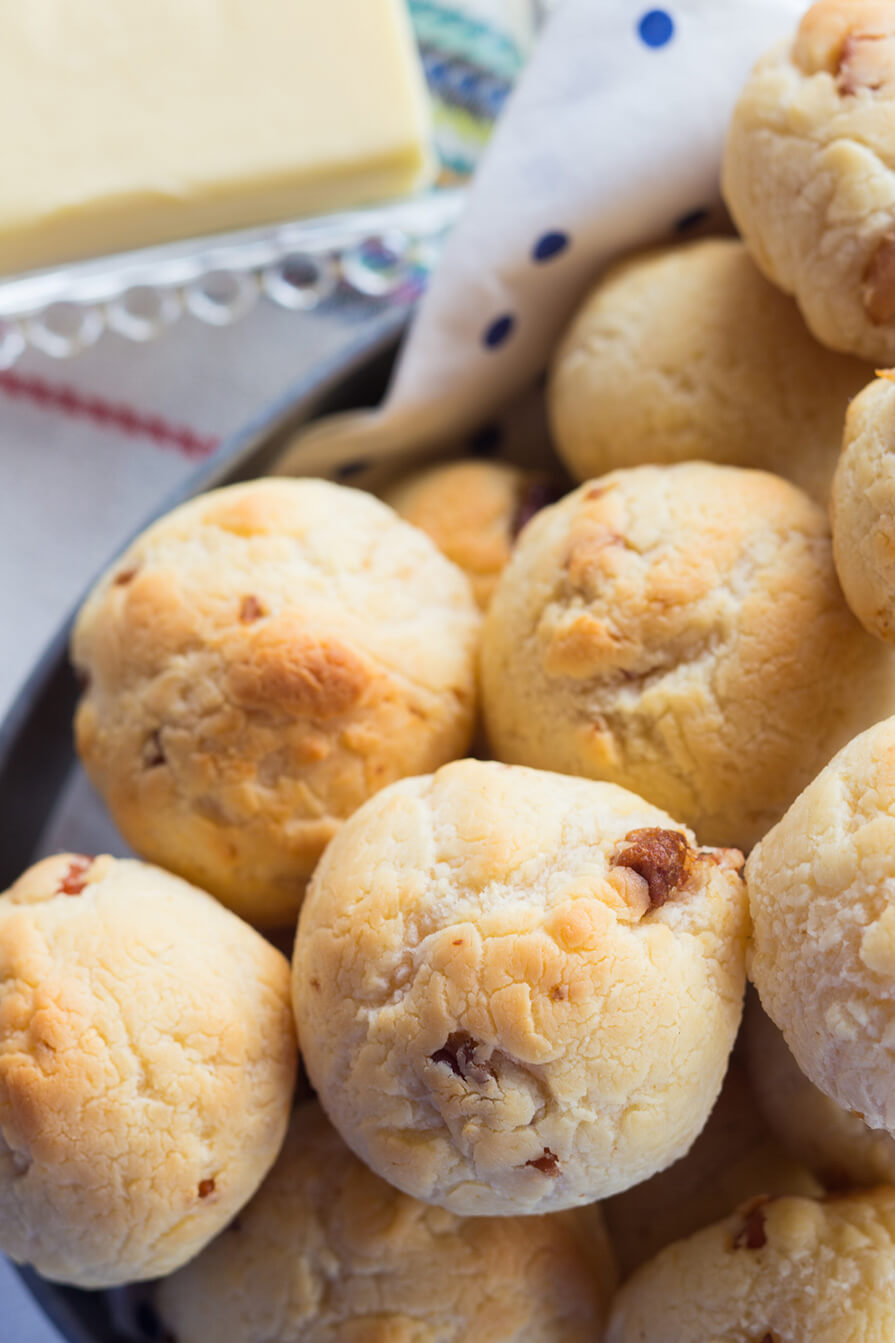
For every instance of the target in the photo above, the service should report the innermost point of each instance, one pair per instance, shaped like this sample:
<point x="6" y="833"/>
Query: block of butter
<point x="134" y="122"/>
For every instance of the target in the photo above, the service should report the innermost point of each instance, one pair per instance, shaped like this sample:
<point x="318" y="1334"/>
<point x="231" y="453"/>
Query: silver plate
<point x="384" y="252"/>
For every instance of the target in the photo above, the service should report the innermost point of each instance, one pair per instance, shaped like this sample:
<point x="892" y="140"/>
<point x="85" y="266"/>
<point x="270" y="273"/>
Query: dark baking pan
<point x="37" y="761"/>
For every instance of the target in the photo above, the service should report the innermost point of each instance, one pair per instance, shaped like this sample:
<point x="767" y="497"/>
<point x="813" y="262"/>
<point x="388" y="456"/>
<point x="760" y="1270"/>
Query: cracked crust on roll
<point x="809" y="172"/>
<point x="779" y="1270"/>
<point x="259" y="663"/>
<point x="147" y="1064"/>
<point x="689" y="354"/>
<point x="329" y="1253"/>
<point x="496" y="1008"/>
<point x="823" y="944"/>
<point x="680" y="631"/>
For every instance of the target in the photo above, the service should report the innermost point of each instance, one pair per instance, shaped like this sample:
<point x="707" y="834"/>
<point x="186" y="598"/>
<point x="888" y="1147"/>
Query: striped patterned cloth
<point x="471" y="63"/>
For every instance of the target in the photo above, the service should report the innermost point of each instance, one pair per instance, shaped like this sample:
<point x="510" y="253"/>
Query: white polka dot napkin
<point x="612" y="139"/>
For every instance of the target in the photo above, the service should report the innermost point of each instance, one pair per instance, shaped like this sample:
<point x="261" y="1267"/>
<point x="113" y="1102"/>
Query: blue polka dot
<point x="550" y="245"/>
<point x="691" y="220"/>
<point x="656" y="28"/>
<point x="499" y="331"/>
<point x="352" y="468"/>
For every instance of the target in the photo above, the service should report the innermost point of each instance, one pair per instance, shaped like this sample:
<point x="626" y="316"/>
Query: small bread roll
<point x="517" y="992"/>
<point x="688" y="353"/>
<point x="832" y="1141"/>
<point x="862" y="509"/>
<point x="734" y="1159"/>
<point x="680" y="630"/>
<point x="809" y="172"/>
<point x="822" y="896"/>
<point x="328" y="1253"/>
<point x="257" y="664"/>
<point x="474" y="511"/>
<point x="785" y="1270"/>
<point x="147" y="1063"/>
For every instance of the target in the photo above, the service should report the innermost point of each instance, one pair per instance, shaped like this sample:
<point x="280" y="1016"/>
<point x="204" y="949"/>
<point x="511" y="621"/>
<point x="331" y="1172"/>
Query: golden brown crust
<point x="680" y="631"/>
<point x="329" y="1253"/>
<point x="147" y="1061"/>
<point x="276" y="652"/>
<point x="474" y="512"/>
<point x="289" y="671"/>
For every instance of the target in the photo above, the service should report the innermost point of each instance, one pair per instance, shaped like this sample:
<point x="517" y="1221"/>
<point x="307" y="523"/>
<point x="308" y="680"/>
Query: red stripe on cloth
<point x="107" y="414"/>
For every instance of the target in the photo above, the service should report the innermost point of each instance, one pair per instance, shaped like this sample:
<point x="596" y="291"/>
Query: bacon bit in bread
<point x="547" y="1163"/>
<point x="74" y="880"/>
<point x="459" y="1053"/>
<point x="662" y="857"/>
